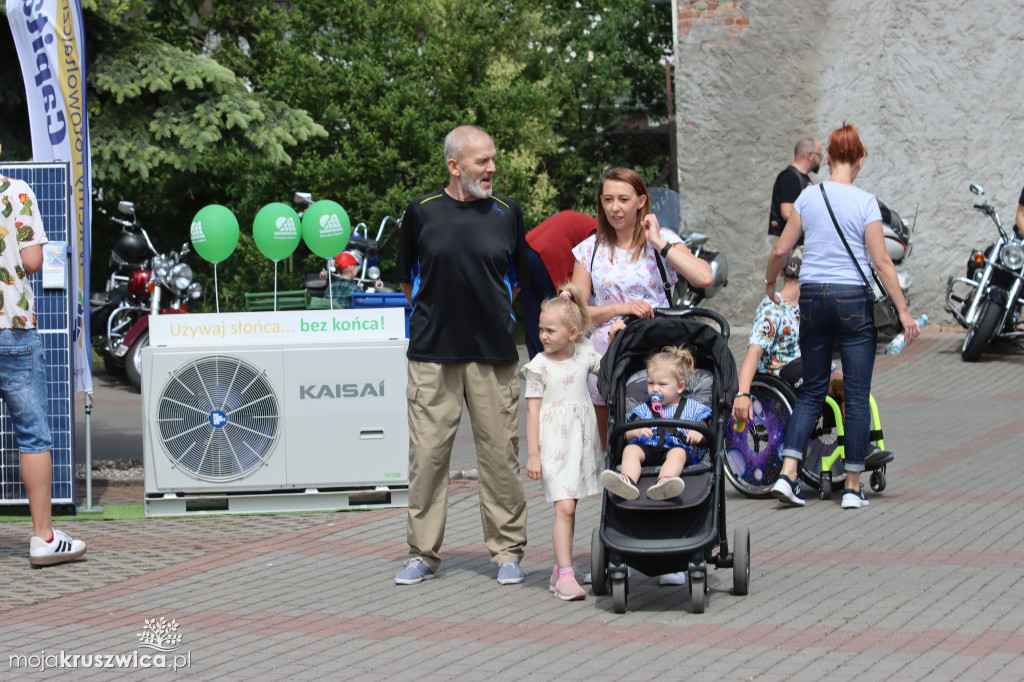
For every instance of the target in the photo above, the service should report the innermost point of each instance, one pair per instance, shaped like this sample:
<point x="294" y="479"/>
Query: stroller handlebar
<point x="700" y="428"/>
<point x="683" y="313"/>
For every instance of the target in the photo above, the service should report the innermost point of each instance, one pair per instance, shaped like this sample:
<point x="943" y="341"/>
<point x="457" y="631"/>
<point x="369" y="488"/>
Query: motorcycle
<point x="143" y="282"/>
<point x="667" y="205"/>
<point x="898" y="232"/>
<point x="987" y="301"/>
<point x="364" y="248"/>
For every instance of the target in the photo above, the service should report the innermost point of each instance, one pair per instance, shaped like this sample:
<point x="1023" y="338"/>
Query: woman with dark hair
<point x="619" y="264"/>
<point x="836" y="305"/>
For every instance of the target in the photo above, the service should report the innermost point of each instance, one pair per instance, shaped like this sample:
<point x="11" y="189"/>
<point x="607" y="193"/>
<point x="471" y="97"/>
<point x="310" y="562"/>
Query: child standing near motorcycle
<point x="347" y="267"/>
<point x="561" y="428"/>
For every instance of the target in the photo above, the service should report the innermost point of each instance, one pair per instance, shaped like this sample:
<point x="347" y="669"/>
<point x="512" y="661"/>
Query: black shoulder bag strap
<point x="804" y="180"/>
<point x="664" y="277"/>
<point x="847" y="245"/>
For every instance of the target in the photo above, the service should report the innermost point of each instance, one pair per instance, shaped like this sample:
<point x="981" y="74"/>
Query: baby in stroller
<point x="673" y="448"/>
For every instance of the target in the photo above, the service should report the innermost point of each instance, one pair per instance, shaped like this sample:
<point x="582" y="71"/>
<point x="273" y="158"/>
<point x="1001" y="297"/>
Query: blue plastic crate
<point x="383" y="300"/>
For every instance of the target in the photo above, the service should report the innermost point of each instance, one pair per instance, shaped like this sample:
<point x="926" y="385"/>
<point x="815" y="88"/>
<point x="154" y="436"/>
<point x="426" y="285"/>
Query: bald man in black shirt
<point x="791" y="181"/>
<point x="461" y="261"/>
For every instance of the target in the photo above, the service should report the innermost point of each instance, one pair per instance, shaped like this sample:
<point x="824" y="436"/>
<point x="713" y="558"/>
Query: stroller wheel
<point x="697" y="591"/>
<point x="620" y="592"/>
<point x="598" y="565"/>
<point x="741" y="561"/>
<point x="877" y="481"/>
<point x="826" y="486"/>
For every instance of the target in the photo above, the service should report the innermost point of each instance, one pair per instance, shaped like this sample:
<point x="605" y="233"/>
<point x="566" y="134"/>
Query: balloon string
<point x="275" y="286"/>
<point x="330" y="285"/>
<point x="216" y="291"/>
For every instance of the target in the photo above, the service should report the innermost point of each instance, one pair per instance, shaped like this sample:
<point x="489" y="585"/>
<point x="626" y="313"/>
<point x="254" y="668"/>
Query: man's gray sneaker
<point x="415" y="571"/>
<point x="509" y="573"/>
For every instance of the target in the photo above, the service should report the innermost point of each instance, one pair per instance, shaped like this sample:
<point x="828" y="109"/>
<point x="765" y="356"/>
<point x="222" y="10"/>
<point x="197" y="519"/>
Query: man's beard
<point x="474" y="186"/>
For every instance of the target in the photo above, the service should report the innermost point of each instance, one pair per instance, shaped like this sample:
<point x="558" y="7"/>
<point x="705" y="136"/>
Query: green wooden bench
<point x="262" y="301"/>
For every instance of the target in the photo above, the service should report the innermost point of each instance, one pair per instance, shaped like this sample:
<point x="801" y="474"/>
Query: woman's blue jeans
<point x="830" y="312"/>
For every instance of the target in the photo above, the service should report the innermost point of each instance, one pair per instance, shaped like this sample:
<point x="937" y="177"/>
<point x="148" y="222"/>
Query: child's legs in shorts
<point x="633" y="457"/>
<point x="562" y="532"/>
<point x="675" y="460"/>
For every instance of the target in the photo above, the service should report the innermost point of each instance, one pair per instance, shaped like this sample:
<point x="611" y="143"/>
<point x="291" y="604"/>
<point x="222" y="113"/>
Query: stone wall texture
<point x="935" y="87"/>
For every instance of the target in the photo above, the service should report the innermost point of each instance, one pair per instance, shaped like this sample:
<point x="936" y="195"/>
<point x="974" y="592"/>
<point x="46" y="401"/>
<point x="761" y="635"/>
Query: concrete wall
<point x="935" y="87"/>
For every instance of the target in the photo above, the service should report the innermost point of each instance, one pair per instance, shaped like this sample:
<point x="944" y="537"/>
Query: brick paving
<point x="924" y="584"/>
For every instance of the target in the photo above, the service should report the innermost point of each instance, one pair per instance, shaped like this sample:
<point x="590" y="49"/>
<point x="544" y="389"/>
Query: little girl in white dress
<point x="561" y="428"/>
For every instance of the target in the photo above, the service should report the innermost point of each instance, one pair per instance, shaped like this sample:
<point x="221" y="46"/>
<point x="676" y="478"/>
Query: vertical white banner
<point x="50" y="39"/>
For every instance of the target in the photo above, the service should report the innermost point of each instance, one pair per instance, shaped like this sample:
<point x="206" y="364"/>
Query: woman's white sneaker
<point x="854" y="499"/>
<point x="788" y="491"/>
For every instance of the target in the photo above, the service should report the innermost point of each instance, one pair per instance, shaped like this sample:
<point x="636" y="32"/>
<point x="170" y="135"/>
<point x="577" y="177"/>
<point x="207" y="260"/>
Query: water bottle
<point x="899" y="342"/>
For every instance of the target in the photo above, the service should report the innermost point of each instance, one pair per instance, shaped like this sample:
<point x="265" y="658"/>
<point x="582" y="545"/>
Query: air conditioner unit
<point x="285" y="411"/>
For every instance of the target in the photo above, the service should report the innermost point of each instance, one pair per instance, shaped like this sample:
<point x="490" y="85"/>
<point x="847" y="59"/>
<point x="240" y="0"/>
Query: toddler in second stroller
<point x="680" y="533"/>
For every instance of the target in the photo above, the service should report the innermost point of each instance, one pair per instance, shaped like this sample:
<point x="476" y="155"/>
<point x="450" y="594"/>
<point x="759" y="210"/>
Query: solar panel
<point x="49" y="181"/>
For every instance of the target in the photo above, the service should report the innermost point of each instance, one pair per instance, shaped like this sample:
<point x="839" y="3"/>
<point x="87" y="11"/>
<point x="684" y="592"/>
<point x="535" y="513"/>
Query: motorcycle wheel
<point x="982" y="332"/>
<point x="133" y="360"/>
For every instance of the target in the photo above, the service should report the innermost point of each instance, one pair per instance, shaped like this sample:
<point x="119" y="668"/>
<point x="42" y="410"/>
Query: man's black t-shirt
<point x="463" y="258"/>
<point x="788" y="186"/>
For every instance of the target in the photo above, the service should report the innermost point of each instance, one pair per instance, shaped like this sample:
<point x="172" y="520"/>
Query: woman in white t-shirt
<point x="836" y="304"/>
<point x="623" y="274"/>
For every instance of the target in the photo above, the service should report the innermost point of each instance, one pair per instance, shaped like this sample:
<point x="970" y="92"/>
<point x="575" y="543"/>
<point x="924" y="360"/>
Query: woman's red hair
<point x="844" y="145"/>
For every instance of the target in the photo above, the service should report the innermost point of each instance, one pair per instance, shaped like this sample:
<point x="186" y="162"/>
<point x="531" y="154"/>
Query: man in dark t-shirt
<point x="791" y="181"/>
<point x="461" y="262"/>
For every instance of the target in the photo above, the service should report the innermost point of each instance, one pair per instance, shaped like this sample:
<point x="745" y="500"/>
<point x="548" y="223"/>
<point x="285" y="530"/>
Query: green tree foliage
<point x="606" y="59"/>
<point x="388" y="81"/>
<point x="242" y="103"/>
<point x="552" y="82"/>
<point x="173" y="129"/>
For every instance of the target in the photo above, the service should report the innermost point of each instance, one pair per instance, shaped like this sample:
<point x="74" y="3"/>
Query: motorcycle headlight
<point x="195" y="290"/>
<point x="161" y="267"/>
<point x="373" y="272"/>
<point x="181" y="276"/>
<point x="1012" y="256"/>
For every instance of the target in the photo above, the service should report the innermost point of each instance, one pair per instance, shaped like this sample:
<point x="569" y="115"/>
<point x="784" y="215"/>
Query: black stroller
<point x="679" y="534"/>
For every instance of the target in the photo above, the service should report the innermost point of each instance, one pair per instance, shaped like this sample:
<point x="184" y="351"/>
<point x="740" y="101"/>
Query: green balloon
<point x="326" y="228"/>
<point x="214" y="233"/>
<point x="276" y="231"/>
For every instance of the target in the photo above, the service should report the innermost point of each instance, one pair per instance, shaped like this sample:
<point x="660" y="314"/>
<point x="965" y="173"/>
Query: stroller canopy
<point x="633" y="344"/>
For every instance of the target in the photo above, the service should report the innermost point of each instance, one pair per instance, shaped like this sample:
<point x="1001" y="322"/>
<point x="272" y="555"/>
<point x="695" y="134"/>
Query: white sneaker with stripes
<point x="62" y="548"/>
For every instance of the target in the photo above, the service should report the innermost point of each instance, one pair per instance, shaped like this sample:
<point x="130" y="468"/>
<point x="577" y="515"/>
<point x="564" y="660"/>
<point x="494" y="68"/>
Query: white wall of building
<point x="935" y="87"/>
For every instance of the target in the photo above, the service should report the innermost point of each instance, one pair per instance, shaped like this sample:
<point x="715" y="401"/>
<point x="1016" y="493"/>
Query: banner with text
<point x="284" y="327"/>
<point x="50" y="39"/>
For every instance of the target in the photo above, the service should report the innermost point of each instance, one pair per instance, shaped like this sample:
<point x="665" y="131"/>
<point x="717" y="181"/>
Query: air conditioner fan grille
<point x="218" y="418"/>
